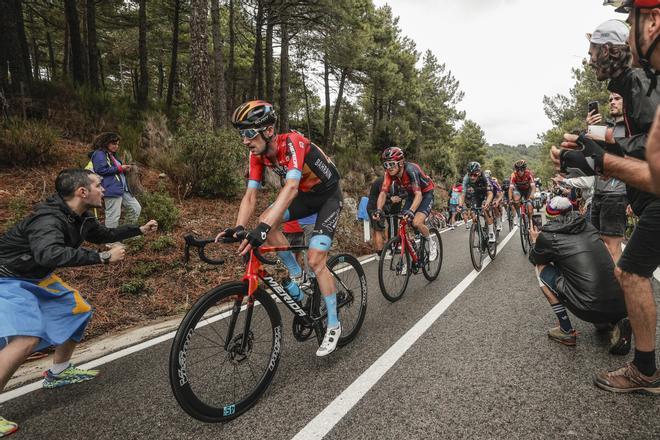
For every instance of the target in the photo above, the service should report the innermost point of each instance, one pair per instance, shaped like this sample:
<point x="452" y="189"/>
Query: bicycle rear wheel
<point x="509" y="216"/>
<point x="431" y="269"/>
<point x="524" y="234"/>
<point x="213" y="378"/>
<point x="393" y="270"/>
<point x="351" y="294"/>
<point x="475" y="246"/>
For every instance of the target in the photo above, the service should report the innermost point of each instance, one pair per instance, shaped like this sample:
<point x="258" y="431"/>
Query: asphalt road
<point x="484" y="369"/>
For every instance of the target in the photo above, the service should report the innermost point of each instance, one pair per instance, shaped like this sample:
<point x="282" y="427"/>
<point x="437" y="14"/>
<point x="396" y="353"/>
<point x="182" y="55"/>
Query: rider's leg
<point x="419" y="224"/>
<point x="276" y="238"/>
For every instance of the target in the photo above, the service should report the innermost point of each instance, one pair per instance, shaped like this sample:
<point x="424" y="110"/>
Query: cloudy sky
<point x="506" y="54"/>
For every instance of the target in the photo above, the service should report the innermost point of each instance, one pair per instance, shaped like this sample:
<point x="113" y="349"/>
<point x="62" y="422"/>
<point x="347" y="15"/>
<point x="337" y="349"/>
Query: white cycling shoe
<point x="433" y="250"/>
<point x="491" y="237"/>
<point x="329" y="341"/>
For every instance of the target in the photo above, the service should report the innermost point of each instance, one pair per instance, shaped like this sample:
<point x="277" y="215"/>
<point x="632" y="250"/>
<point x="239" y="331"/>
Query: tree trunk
<point x="51" y="57"/>
<point x="14" y="69"/>
<point x="335" y="113"/>
<point x="199" y="64"/>
<point x="25" y="48"/>
<point x="36" y="68"/>
<point x="143" y="86"/>
<point x="326" y="114"/>
<point x="270" y="76"/>
<point x="284" y="77"/>
<point x="92" y="46"/>
<point x="67" y="50"/>
<point x="175" y="48"/>
<point x="161" y="79"/>
<point x="306" y="93"/>
<point x="71" y="12"/>
<point x="84" y="49"/>
<point x="219" y="90"/>
<point x="256" y="79"/>
<point x="231" y="75"/>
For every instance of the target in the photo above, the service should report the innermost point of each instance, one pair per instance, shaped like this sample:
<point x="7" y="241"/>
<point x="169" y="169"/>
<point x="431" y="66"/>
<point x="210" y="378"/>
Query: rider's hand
<point x="254" y="238"/>
<point x="408" y="214"/>
<point x="230" y="232"/>
<point x="395" y="199"/>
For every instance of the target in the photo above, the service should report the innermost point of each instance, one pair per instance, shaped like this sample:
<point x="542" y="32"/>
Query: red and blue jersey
<point x="524" y="182"/>
<point x="413" y="180"/>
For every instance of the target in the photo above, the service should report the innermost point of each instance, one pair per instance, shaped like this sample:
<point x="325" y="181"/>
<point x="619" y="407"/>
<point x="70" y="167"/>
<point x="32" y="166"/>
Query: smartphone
<point x="593" y="105"/>
<point x="537" y="220"/>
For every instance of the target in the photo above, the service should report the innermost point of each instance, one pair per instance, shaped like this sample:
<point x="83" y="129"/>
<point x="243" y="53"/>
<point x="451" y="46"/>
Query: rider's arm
<point x="246" y="209"/>
<point x="417" y="200"/>
<point x="284" y="199"/>
<point x="382" y="197"/>
<point x="489" y="197"/>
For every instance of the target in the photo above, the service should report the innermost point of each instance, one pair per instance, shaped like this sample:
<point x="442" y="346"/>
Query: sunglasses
<point x="390" y="164"/>
<point x="474" y="174"/>
<point x="250" y="133"/>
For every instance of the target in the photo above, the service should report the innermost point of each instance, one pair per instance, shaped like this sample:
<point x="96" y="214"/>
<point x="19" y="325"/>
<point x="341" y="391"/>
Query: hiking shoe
<point x="627" y="379"/>
<point x="69" y="376"/>
<point x="329" y="341"/>
<point x="620" y="337"/>
<point x="557" y="334"/>
<point x="7" y="427"/>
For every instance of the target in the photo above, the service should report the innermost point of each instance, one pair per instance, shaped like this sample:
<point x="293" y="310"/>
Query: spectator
<point x="576" y="273"/>
<point x="37" y="308"/>
<point x="109" y="167"/>
<point x="392" y="207"/>
<point x="610" y="57"/>
<point x="456" y="191"/>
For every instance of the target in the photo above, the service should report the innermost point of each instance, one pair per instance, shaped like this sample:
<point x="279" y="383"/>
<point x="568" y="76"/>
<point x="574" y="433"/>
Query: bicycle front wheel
<point x="225" y="353"/>
<point x="351" y="285"/>
<point x="509" y="216"/>
<point x="432" y="268"/>
<point x="475" y="247"/>
<point x="393" y="270"/>
<point x="524" y="233"/>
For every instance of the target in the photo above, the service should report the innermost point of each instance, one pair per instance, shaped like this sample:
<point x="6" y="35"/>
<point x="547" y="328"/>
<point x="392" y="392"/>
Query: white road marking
<point x="319" y="426"/>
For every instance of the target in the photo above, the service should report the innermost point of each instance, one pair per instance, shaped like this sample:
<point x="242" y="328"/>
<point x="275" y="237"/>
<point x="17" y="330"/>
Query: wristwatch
<point x="105" y="257"/>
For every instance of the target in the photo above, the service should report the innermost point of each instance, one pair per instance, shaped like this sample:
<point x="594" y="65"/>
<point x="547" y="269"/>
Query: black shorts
<point x="608" y="214"/>
<point x="642" y="253"/>
<point x="424" y="206"/>
<point x="327" y="205"/>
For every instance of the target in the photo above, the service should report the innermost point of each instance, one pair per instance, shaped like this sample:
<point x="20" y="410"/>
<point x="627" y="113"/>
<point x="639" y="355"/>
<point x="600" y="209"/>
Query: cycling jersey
<point x="524" y="182"/>
<point x="496" y="188"/>
<point x="297" y="158"/>
<point x="478" y="189"/>
<point x="412" y="180"/>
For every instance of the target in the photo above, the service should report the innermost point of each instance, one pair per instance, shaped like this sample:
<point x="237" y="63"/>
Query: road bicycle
<point x="479" y="245"/>
<point x="509" y="214"/>
<point x="524" y="225"/>
<point x="403" y="255"/>
<point x="228" y="346"/>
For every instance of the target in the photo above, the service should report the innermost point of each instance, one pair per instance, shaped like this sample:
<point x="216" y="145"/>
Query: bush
<point x="206" y="163"/>
<point x="160" y="207"/>
<point x="162" y="243"/>
<point x="132" y="287"/>
<point x="143" y="269"/>
<point x="18" y="209"/>
<point x="26" y="143"/>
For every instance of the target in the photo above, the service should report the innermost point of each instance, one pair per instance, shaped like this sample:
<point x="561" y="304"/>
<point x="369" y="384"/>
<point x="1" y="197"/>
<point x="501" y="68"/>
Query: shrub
<point x="18" y="209"/>
<point x="162" y="243"/>
<point x="26" y="143"/>
<point x="206" y="163"/>
<point x="132" y="287"/>
<point x="145" y="268"/>
<point x="160" y="207"/>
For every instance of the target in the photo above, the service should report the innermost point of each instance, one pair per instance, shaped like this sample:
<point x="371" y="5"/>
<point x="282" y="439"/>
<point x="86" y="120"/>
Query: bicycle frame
<point x="406" y="242"/>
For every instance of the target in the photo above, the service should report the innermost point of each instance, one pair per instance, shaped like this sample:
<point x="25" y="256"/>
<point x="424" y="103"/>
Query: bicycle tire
<point x="200" y="399"/>
<point x="475" y="251"/>
<point x="509" y="215"/>
<point x="393" y="266"/>
<point x="524" y="234"/>
<point x="351" y="298"/>
<point x="429" y="273"/>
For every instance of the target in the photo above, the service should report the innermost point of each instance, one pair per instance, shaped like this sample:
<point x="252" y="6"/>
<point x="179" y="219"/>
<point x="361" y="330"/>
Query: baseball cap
<point x="558" y="205"/>
<point x="611" y="31"/>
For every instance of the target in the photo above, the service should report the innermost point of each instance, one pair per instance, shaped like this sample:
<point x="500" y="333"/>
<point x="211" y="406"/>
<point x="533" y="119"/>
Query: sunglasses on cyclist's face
<point x="389" y="165"/>
<point x="477" y="174"/>
<point x="250" y="133"/>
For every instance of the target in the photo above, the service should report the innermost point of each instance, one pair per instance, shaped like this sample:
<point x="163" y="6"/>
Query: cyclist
<point x="497" y="200"/>
<point x="419" y="187"/>
<point x="522" y="186"/>
<point x="505" y="193"/>
<point x="311" y="186"/>
<point x="478" y="190"/>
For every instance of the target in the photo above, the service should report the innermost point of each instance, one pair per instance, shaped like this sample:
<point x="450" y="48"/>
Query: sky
<point x="506" y="54"/>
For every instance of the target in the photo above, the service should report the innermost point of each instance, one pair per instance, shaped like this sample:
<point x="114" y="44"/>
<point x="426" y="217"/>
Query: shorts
<point x="642" y="253"/>
<point x="327" y="205"/>
<point x="453" y="208"/>
<point x="548" y="277"/>
<point x="520" y="193"/>
<point x="49" y="309"/>
<point x="608" y="214"/>
<point x="424" y="206"/>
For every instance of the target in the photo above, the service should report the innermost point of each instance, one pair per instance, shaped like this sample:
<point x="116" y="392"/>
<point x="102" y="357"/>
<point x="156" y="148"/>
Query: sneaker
<point x="620" y="337"/>
<point x="69" y="376"/>
<point x="433" y="250"/>
<point x="467" y="225"/>
<point x="7" y="427"/>
<point x="388" y="255"/>
<point x="329" y="341"/>
<point x="491" y="237"/>
<point x="557" y="334"/>
<point x="627" y="379"/>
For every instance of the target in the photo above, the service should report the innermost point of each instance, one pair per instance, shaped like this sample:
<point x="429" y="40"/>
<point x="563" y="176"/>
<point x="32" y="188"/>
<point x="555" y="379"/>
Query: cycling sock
<point x="58" y="368"/>
<point x="562" y="315"/>
<point x="294" y="290"/>
<point x="645" y="362"/>
<point x="331" y="306"/>
<point x="290" y="262"/>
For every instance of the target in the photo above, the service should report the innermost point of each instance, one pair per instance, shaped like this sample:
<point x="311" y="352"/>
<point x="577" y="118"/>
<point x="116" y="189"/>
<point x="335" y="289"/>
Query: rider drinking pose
<point x="522" y="186"/>
<point x="311" y="187"/>
<point x="420" y="192"/>
<point x="479" y="190"/>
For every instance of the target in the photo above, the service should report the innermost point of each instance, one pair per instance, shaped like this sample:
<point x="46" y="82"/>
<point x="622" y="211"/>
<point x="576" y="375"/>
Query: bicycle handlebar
<point x="200" y="244"/>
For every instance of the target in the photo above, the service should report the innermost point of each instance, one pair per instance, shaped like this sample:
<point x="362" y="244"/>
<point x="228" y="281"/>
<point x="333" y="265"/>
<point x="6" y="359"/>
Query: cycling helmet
<point x="254" y="114"/>
<point x="473" y="167"/>
<point x="521" y="165"/>
<point x="627" y="5"/>
<point x="394" y="154"/>
<point x="487" y="173"/>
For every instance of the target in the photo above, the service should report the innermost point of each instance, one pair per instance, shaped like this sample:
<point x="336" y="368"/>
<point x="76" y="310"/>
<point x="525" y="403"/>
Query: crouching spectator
<point x="37" y="308"/>
<point x="576" y="272"/>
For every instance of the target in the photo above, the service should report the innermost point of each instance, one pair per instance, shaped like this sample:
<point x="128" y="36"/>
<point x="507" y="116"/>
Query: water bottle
<point x="293" y="289"/>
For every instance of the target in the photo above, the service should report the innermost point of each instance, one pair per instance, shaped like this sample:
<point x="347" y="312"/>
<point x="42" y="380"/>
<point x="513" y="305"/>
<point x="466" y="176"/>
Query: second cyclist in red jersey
<point x="522" y="186"/>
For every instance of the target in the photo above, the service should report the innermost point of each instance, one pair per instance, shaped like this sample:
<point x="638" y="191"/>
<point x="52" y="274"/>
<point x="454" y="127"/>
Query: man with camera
<point x="576" y="273"/>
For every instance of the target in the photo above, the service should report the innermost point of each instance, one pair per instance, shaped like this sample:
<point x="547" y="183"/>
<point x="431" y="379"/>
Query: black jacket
<point x="586" y="285"/>
<point x="51" y="236"/>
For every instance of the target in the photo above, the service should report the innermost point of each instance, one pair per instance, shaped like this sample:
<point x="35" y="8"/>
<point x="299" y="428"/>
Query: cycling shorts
<point x="327" y="205"/>
<point x="523" y="194"/>
<point x="642" y="253"/>
<point x="425" y="205"/>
